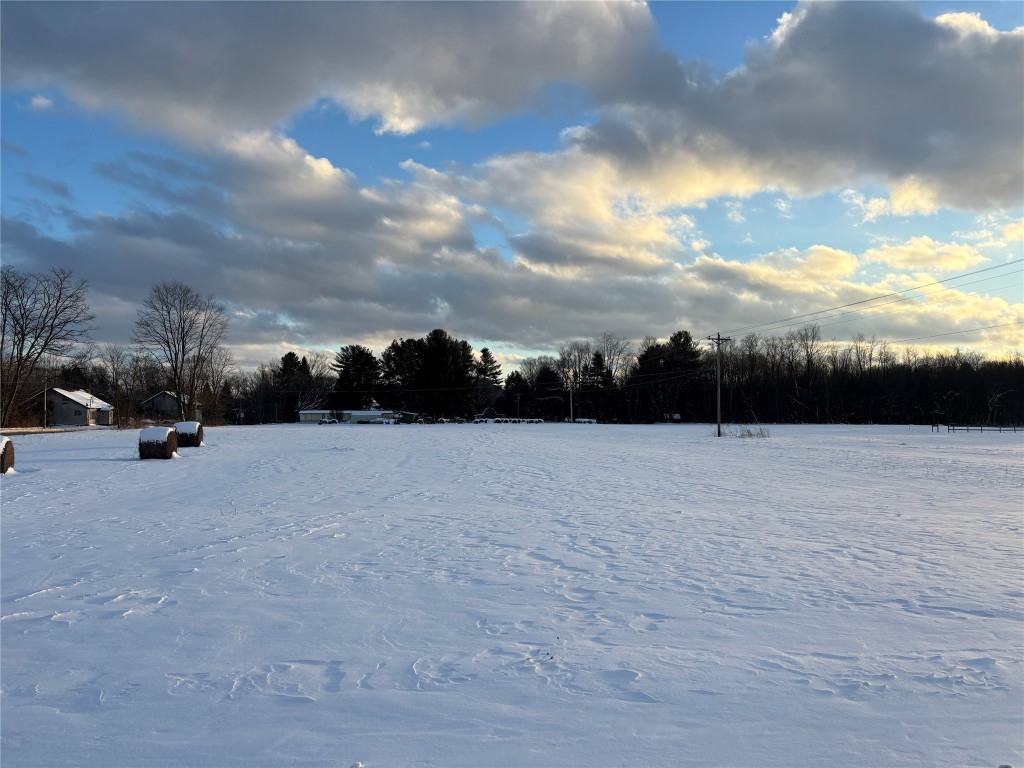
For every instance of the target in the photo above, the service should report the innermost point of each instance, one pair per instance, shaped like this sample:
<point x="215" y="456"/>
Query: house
<point x="164" y="405"/>
<point x="77" y="408"/>
<point x="349" y="417"/>
<point x="316" y="416"/>
<point x="367" y="417"/>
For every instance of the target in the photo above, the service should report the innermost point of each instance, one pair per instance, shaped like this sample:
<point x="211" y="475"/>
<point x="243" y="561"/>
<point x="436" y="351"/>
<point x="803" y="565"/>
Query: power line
<point x="788" y="321"/>
<point x="908" y="298"/>
<point x="954" y="333"/>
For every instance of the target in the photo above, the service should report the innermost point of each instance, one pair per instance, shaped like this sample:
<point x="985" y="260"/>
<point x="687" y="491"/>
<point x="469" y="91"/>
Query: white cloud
<point x="912" y="196"/>
<point x="39" y="103"/>
<point x="735" y="212"/>
<point x="787" y="22"/>
<point x="967" y="25"/>
<point x="925" y="253"/>
<point x="784" y="207"/>
<point x="907" y="198"/>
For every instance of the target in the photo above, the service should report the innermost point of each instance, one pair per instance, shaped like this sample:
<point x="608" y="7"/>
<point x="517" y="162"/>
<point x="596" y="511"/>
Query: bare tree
<point x="41" y="315"/>
<point x="617" y="352"/>
<point x="117" y="358"/>
<point x="320" y="385"/>
<point x="220" y="364"/>
<point x="182" y="328"/>
<point x="864" y="351"/>
<point x="573" y="358"/>
<point x="808" y="338"/>
<point x="531" y="367"/>
<point x="144" y="376"/>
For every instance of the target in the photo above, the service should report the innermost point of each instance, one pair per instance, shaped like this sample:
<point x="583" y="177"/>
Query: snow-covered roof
<point x="83" y="398"/>
<point x="154" y="434"/>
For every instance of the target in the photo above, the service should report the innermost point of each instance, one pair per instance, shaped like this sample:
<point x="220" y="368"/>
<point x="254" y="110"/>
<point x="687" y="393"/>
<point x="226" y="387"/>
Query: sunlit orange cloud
<point x="923" y="253"/>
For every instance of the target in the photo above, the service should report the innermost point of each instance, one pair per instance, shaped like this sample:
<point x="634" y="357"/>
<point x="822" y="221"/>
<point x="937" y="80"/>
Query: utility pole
<point x="717" y="340"/>
<point x="570" y="399"/>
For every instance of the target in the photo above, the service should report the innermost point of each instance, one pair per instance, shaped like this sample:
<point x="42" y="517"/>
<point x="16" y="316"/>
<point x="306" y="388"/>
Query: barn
<point x="164" y="405"/>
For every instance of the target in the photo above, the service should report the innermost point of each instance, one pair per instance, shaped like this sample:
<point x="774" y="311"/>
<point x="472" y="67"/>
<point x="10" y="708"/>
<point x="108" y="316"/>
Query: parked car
<point x="328" y="421"/>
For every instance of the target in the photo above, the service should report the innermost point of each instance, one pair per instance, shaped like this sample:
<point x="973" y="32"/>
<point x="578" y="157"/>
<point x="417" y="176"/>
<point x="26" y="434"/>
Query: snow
<point x="187" y="427"/>
<point x="154" y="434"/>
<point x="476" y="595"/>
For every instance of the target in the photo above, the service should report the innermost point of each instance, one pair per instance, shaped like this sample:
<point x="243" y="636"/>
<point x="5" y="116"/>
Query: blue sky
<point x="523" y="174"/>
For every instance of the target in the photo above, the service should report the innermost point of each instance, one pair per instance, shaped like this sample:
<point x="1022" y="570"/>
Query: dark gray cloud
<point x="13" y="148"/>
<point x="199" y="69"/>
<point x="846" y="90"/>
<point x="167" y="180"/>
<point x="48" y="186"/>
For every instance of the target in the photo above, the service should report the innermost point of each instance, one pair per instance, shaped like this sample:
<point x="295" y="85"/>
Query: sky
<point x="525" y="174"/>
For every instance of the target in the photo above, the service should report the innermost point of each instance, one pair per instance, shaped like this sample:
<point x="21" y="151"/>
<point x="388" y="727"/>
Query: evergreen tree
<point x="517" y="395"/>
<point x="446" y="375"/>
<point x="291" y="379"/>
<point x="358" y="377"/>
<point x="550" y="399"/>
<point x="487" y="391"/>
<point x="665" y="379"/>
<point x="399" y="369"/>
<point x="488" y="367"/>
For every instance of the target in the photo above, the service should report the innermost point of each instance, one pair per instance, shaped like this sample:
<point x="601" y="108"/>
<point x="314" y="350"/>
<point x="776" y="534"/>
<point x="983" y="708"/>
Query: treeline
<point x="45" y="327"/>
<point x="796" y="378"/>
<point x="178" y="346"/>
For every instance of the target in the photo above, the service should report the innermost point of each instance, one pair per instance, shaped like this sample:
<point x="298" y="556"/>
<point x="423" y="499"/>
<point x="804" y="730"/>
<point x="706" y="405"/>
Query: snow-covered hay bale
<point x="189" y="433"/>
<point x="157" y="443"/>
<point x="6" y="455"/>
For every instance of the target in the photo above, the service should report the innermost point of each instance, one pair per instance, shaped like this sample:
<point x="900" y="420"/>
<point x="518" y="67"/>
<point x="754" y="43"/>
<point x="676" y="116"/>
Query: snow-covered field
<point x="515" y="595"/>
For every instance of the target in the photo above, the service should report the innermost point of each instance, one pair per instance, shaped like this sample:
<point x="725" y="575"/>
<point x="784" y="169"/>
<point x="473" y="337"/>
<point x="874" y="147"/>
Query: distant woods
<point x="796" y="378"/>
<point x="179" y="346"/>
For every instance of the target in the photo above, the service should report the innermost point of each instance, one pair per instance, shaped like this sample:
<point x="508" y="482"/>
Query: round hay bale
<point x="6" y="455"/>
<point x="190" y="434"/>
<point x="157" y="443"/>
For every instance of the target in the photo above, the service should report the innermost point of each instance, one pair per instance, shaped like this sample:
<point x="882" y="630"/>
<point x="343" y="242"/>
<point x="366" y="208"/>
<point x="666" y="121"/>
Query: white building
<point x="346" y="417"/>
